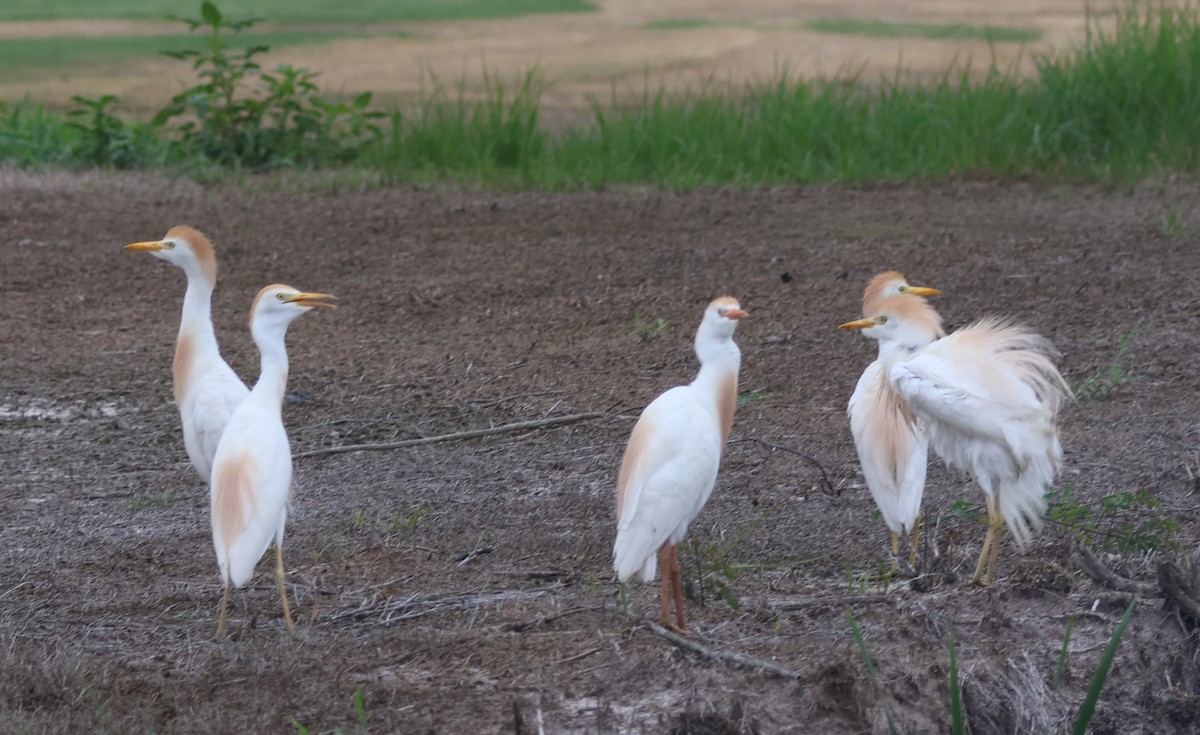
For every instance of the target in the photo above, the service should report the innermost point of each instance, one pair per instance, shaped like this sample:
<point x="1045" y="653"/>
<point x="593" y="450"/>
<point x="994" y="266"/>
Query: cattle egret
<point x="890" y="283"/>
<point x="989" y="396"/>
<point x="206" y="389"/>
<point x="252" y="471"/>
<point x="892" y="447"/>
<point x="670" y="464"/>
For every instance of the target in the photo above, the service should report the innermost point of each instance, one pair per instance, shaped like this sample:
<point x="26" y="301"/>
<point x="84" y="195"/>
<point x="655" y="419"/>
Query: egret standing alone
<point x="671" y="461"/>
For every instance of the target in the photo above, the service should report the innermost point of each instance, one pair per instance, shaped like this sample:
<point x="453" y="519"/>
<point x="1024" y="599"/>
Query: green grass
<point x="685" y="24"/>
<point x="1120" y="107"/>
<point x="936" y="31"/>
<point x="292" y="11"/>
<point x="20" y="57"/>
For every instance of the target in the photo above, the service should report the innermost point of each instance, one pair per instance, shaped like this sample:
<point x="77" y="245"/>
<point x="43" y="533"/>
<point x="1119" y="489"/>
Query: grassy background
<point x="291" y="11"/>
<point x="1122" y="106"/>
<point x="940" y="31"/>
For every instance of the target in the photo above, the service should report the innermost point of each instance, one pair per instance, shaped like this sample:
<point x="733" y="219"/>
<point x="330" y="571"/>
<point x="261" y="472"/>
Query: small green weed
<point x="1101" y="386"/>
<point x="1128" y="522"/>
<point x="648" y="331"/>
<point x="166" y="500"/>
<point x="360" y="716"/>
<point x="403" y="526"/>
<point x="870" y="664"/>
<point x="1173" y="226"/>
<point x="1088" y="708"/>
<point x="758" y="394"/>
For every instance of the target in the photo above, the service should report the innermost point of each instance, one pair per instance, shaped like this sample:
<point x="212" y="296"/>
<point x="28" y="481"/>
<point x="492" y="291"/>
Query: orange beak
<point x="859" y="324"/>
<point x="149" y="247"/>
<point x="736" y="314"/>
<point x="313" y="300"/>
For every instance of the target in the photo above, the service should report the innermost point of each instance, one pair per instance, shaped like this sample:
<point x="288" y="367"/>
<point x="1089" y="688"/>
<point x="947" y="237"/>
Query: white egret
<point x="670" y="464"/>
<point x="206" y="389"/>
<point x="252" y="472"/>
<point x="989" y="395"/>
<point x="892" y="448"/>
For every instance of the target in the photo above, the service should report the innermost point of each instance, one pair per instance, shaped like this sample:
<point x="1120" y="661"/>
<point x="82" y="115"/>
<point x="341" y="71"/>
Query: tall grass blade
<point x="1088" y="708"/>
<point x="1061" y="670"/>
<point x="957" y="723"/>
<point x="870" y="663"/>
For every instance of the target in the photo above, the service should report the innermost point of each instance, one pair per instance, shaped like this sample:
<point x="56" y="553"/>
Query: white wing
<point x="990" y="394"/>
<point x="668" y="473"/>
<point x="205" y="411"/>
<point x="251" y="483"/>
<point x="892" y="449"/>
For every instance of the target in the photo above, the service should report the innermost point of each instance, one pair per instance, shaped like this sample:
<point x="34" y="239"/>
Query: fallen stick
<point x="801" y="603"/>
<point x="1095" y="569"/>
<point x="737" y="659"/>
<point x="472" y="434"/>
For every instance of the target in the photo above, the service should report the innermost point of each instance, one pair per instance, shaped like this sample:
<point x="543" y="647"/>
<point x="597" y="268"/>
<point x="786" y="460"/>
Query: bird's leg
<point x="895" y="551"/>
<point x="996" y="522"/>
<point x="664" y="572"/>
<point x="677" y="583"/>
<point x="916" y="537"/>
<point x="287" y="613"/>
<point x="224" y="607"/>
<point x="985" y="554"/>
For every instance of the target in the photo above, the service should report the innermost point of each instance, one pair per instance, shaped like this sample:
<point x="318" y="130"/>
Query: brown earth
<point x="465" y="587"/>
<point x="589" y="57"/>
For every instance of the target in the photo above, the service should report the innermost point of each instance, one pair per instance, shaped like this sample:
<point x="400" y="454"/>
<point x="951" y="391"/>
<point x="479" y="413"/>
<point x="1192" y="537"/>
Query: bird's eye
<point x="883" y="320"/>
<point x="169" y="245"/>
<point x="281" y="296"/>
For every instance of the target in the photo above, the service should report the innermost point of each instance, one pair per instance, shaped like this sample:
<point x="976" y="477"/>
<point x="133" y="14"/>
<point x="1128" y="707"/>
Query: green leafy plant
<point x="1101" y="386"/>
<point x="648" y="331"/>
<point x="107" y="140"/>
<point x="166" y="500"/>
<point x="278" y="121"/>
<point x="1128" y="522"/>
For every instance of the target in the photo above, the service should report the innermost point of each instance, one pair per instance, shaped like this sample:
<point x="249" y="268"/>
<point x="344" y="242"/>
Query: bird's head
<point x="890" y="283"/>
<point x="721" y="319"/>
<point x="185" y="247"/>
<point x="903" y="319"/>
<point x="277" y="305"/>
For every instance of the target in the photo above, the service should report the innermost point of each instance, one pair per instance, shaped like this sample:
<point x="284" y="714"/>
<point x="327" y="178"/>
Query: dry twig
<point x="829" y="489"/>
<point x="456" y="436"/>
<point x="801" y="603"/>
<point x="736" y="659"/>
<point x="1095" y="569"/>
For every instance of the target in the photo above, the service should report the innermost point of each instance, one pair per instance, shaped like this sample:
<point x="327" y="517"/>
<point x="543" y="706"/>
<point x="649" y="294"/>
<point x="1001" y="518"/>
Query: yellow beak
<point x="146" y="246"/>
<point x="313" y="300"/>
<point x="736" y="314"/>
<point x="859" y="324"/>
<point x="919" y="290"/>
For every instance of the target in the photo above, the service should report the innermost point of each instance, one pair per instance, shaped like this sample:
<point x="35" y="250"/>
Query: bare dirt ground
<point x="465" y="587"/>
<point x="587" y="57"/>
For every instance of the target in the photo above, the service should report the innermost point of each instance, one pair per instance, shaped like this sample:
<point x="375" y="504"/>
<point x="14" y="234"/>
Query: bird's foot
<point x="670" y="625"/>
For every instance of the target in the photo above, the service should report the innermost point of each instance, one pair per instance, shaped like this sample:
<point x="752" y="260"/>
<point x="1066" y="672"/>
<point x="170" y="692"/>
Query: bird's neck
<point x="272" y="378"/>
<point x="718" y="380"/>
<point x="196" y="343"/>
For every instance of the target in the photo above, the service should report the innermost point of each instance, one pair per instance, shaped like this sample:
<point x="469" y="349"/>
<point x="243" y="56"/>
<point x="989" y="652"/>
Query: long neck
<point x="196" y="343"/>
<point x="718" y="379"/>
<point x="272" y="379"/>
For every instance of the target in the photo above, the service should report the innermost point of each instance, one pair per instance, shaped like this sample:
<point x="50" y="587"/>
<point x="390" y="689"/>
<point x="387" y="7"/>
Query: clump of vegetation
<point x="1101" y="386"/>
<point x="1126" y="523"/>
<point x="648" y="331"/>
<point x="959" y="713"/>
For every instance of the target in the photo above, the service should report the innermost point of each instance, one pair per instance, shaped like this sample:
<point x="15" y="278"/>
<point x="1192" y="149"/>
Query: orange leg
<point x="677" y="583"/>
<point x="224" y="608"/>
<point x="664" y="572"/>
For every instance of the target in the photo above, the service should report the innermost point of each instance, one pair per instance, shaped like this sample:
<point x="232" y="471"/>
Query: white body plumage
<point x="670" y="464"/>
